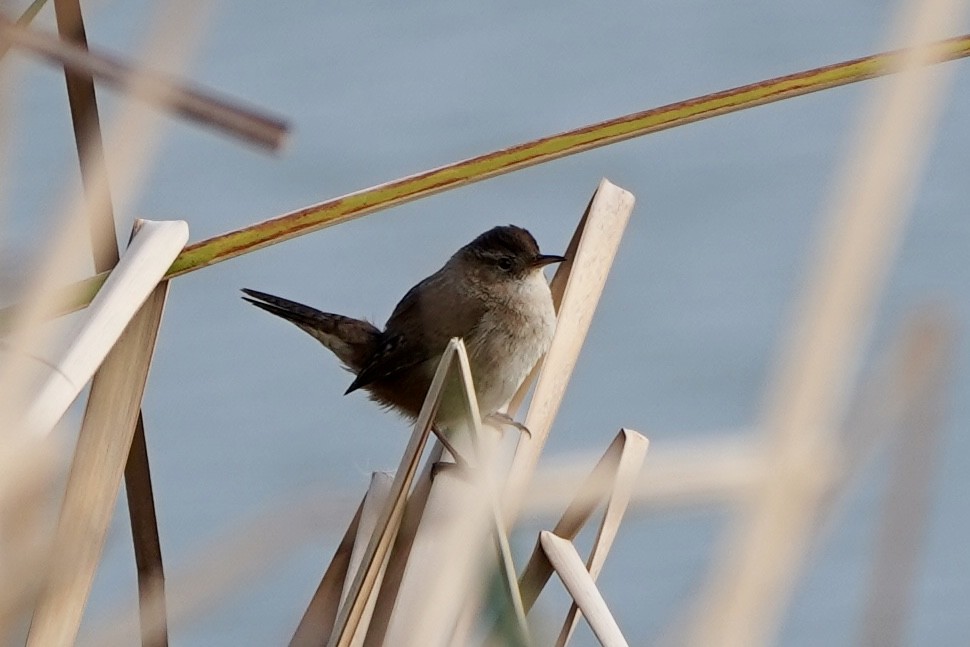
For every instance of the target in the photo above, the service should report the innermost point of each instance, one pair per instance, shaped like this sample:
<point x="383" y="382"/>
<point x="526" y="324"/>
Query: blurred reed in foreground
<point x="424" y="561"/>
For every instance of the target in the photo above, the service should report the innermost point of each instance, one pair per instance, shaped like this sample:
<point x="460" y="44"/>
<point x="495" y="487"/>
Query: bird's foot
<point x="506" y="420"/>
<point x="457" y="461"/>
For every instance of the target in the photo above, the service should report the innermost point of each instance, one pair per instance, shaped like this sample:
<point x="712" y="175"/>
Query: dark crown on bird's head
<point x="504" y="241"/>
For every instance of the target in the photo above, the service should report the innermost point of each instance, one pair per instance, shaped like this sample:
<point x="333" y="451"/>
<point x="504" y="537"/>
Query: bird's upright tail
<point x="352" y="340"/>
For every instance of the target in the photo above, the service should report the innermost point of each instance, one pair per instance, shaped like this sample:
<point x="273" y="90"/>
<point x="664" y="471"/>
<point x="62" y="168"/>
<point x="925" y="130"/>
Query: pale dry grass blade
<point x="229" y="562"/>
<point x="349" y="616"/>
<point x="490" y="467"/>
<point x="907" y="498"/>
<point x="557" y="286"/>
<point x="577" y="580"/>
<point x="448" y="555"/>
<point x="602" y="230"/>
<point x="104" y="250"/>
<point x="134" y="134"/>
<point x="92" y="488"/>
<point x="627" y="451"/>
<point x="510" y="584"/>
<point x="317" y="622"/>
<point x="449" y="548"/>
<point x="144" y="264"/>
<point x="742" y="602"/>
<point x="159" y="90"/>
<point x="374" y="502"/>
<point x="397" y="561"/>
<point x="28" y="489"/>
<point x="627" y="468"/>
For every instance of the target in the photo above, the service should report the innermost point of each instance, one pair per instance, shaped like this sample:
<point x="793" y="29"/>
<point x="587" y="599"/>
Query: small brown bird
<point x="491" y="293"/>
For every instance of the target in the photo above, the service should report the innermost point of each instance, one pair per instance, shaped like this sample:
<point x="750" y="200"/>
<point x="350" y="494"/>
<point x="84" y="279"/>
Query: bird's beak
<point x="546" y="259"/>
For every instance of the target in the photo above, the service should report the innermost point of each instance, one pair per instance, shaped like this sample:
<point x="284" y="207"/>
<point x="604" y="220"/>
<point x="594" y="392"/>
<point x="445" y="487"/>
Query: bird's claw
<point x="457" y="461"/>
<point x="508" y="421"/>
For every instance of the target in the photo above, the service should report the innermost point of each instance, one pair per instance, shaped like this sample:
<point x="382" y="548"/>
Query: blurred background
<point x="243" y="410"/>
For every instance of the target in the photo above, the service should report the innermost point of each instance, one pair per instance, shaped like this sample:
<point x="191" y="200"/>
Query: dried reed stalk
<point x="135" y="133"/>
<point x="445" y="560"/>
<point x="596" y="242"/>
<point x="742" y="602"/>
<point x="134" y="279"/>
<point x="92" y="488"/>
<point x="104" y="246"/>
<point x="611" y="480"/>
<point x="397" y="561"/>
<point x="132" y="153"/>
<point x="894" y="568"/>
<point x="626" y="469"/>
<point x="577" y="580"/>
<point x="28" y="487"/>
<point x="159" y="90"/>
<point x="349" y="616"/>
<point x="448" y="550"/>
<point x="374" y="502"/>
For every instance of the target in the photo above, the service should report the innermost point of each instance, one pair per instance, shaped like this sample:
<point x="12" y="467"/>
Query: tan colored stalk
<point x="577" y="580"/>
<point x="92" y="488"/>
<point x="597" y="242"/>
<point x="742" y="602"/>
<point x="136" y="277"/>
<point x="348" y="618"/>
<point x="159" y="90"/>
<point x="894" y="569"/>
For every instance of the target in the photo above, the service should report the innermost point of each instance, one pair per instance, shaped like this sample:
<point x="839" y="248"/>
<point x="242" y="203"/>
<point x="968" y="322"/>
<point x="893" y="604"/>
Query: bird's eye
<point x="505" y="264"/>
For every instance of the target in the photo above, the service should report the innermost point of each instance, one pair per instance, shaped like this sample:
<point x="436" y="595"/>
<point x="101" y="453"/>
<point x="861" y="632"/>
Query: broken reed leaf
<point x="577" y="580"/>
<point x="614" y="479"/>
<point x="602" y="229"/>
<point x="383" y="196"/>
<point x="139" y="272"/>
<point x="363" y="586"/>
<point x="463" y="516"/>
<point x="104" y="247"/>
<point x="112" y="411"/>
<point x="627" y="469"/>
<point x="158" y="89"/>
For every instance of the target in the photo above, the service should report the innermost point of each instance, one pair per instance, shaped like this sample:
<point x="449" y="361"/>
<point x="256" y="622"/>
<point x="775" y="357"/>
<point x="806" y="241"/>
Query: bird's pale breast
<point x="509" y="340"/>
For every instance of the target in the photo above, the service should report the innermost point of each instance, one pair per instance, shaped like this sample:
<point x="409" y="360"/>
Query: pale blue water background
<point x="242" y="409"/>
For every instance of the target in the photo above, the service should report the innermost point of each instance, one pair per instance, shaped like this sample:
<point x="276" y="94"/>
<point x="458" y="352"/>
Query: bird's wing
<point x="420" y="328"/>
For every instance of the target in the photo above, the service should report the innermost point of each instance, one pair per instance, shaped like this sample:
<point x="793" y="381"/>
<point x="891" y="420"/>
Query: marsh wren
<point x="491" y="293"/>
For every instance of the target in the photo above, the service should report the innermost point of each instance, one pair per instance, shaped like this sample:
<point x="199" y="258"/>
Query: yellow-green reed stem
<point x="354" y="205"/>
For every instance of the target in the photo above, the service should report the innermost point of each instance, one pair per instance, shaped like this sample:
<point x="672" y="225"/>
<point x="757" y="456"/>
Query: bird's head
<point x="504" y="254"/>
